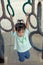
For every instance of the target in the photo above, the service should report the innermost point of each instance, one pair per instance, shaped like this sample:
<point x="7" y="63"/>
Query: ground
<point x="11" y="57"/>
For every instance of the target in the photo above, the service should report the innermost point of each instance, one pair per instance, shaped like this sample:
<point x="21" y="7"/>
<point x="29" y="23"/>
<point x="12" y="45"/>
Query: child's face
<point x="21" y="32"/>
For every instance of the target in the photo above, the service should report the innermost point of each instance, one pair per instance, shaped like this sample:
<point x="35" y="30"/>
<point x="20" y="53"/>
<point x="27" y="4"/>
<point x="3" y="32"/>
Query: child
<point x="21" y="42"/>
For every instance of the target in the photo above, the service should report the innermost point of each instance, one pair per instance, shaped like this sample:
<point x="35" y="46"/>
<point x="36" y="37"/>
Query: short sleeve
<point x="13" y="33"/>
<point x="15" y="46"/>
<point x="27" y="31"/>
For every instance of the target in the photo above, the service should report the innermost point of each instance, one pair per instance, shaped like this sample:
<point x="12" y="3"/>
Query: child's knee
<point x="21" y="57"/>
<point x="27" y="56"/>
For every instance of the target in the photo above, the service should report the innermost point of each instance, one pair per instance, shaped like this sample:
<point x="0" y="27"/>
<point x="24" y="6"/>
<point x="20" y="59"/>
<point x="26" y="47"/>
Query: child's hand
<point x="11" y="18"/>
<point x="26" y="16"/>
<point x="27" y="24"/>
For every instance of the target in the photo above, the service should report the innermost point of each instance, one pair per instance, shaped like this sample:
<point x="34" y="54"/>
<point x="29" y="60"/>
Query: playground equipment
<point x="38" y="27"/>
<point x="38" y="18"/>
<point x="9" y="5"/>
<point x="1" y="36"/>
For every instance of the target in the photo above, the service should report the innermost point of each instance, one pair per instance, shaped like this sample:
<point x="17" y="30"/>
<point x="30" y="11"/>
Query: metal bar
<point x="3" y="7"/>
<point x="33" y="6"/>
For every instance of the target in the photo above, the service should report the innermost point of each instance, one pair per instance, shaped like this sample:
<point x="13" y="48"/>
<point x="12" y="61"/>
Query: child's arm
<point x="27" y="22"/>
<point x="11" y="18"/>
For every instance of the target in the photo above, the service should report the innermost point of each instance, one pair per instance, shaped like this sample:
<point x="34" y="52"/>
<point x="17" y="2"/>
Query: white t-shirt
<point x="22" y="44"/>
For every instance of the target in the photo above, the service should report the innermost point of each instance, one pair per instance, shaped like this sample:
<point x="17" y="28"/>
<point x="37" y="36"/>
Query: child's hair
<point x="20" y="25"/>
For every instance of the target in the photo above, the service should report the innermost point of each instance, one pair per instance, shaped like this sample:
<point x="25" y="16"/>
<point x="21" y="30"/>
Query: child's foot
<point x="20" y="63"/>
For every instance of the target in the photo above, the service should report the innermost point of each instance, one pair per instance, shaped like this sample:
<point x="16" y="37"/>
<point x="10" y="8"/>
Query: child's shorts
<point x="23" y="56"/>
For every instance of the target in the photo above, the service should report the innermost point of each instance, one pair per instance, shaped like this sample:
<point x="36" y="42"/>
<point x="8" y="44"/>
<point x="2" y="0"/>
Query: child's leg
<point x="21" y="57"/>
<point x="27" y="54"/>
